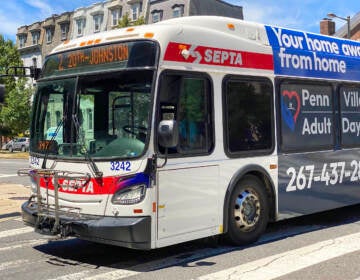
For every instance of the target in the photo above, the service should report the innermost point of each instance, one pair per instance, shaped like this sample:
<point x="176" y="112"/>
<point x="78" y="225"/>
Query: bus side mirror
<point x="2" y="94"/>
<point x="168" y="133"/>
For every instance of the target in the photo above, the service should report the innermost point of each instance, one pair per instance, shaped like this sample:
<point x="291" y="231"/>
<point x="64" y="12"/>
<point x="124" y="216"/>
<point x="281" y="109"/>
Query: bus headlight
<point x="130" y="195"/>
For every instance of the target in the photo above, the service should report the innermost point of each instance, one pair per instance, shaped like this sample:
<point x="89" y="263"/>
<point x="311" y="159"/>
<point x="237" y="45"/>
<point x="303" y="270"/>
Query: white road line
<point x="8" y="175"/>
<point x="74" y="276"/>
<point x="7" y="265"/>
<point x="16" y="231"/>
<point x="29" y="243"/>
<point x="281" y="264"/>
<point x="110" y="275"/>
<point x="113" y="275"/>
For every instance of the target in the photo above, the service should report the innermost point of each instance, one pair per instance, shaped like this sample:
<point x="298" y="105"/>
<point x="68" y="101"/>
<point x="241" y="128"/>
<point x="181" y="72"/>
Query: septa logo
<point x="290" y="108"/>
<point x="207" y="55"/>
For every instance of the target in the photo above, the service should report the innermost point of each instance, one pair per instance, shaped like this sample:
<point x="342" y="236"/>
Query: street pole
<point x="348" y="27"/>
<point x="347" y="19"/>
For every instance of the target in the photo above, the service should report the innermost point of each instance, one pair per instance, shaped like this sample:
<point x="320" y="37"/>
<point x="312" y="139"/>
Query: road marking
<point x="29" y="243"/>
<point x="16" y="231"/>
<point x="74" y="276"/>
<point x="8" y="175"/>
<point x="7" y="265"/>
<point x="267" y="268"/>
<point x="111" y="275"/>
<point x="284" y="263"/>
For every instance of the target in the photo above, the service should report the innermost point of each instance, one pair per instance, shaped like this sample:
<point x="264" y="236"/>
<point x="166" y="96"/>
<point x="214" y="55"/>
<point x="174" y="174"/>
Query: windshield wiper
<point x="47" y="151"/>
<point x="92" y="164"/>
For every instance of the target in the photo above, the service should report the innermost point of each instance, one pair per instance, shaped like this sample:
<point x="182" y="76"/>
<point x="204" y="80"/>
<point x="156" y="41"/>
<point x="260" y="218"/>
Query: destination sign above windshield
<point x="93" y="56"/>
<point x="119" y="55"/>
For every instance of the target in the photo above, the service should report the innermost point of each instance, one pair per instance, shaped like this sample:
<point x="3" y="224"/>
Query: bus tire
<point x="248" y="211"/>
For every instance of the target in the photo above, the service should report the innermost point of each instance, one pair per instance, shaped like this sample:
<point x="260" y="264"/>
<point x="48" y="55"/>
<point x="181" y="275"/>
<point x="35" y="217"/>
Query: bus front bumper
<point x="130" y="232"/>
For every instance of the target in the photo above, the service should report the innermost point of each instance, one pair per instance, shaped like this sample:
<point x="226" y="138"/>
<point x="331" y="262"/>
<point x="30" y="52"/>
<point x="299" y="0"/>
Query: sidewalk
<point x="7" y="154"/>
<point x="12" y="195"/>
<point x="11" y="198"/>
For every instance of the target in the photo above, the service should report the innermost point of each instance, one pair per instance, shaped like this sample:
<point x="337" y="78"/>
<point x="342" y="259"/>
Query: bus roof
<point x="227" y="42"/>
<point x="222" y="25"/>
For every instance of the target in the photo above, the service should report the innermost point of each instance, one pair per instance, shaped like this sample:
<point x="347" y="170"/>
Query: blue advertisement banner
<point x="304" y="54"/>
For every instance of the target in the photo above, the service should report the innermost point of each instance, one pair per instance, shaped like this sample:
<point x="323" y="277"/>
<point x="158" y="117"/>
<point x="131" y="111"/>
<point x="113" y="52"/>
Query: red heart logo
<point x="290" y="95"/>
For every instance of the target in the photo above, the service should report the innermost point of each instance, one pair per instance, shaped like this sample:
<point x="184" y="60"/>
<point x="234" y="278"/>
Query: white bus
<point x="192" y="127"/>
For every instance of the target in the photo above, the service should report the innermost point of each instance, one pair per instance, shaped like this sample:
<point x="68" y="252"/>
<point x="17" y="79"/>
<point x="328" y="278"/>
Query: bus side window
<point x="248" y="115"/>
<point x="187" y="99"/>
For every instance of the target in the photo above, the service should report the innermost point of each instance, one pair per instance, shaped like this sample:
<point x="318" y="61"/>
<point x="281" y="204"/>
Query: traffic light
<point x="35" y="72"/>
<point x="2" y="93"/>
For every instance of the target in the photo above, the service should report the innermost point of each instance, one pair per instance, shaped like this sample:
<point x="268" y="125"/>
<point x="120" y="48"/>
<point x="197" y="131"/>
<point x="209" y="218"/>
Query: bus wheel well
<point x="269" y="190"/>
<point x="261" y="175"/>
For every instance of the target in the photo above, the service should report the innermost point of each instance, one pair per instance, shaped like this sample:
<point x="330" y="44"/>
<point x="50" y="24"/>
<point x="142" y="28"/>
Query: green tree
<point x="139" y="21"/>
<point x="125" y="21"/>
<point x="15" y="112"/>
<point x="9" y="56"/>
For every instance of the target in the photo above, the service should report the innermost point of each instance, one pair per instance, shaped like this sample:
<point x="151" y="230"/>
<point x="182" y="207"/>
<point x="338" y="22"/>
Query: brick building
<point x="35" y="41"/>
<point x="327" y="27"/>
<point x="167" y="9"/>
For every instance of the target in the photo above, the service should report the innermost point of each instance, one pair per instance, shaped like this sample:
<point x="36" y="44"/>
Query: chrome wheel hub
<point x="246" y="210"/>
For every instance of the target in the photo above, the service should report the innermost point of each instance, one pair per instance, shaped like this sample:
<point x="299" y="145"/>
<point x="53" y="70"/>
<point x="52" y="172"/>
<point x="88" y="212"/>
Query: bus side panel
<point x="318" y="181"/>
<point x="188" y="203"/>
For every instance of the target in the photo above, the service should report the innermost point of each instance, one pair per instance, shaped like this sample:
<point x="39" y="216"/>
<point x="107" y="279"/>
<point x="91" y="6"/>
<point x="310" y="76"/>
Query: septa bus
<point x="192" y="127"/>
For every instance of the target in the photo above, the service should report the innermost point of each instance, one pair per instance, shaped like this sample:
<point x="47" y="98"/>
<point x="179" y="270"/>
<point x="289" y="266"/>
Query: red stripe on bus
<point x="106" y="185"/>
<point x="186" y="53"/>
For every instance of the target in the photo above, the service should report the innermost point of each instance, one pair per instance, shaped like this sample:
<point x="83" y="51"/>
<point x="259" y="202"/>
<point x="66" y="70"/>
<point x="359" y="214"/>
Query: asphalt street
<point x="9" y="168"/>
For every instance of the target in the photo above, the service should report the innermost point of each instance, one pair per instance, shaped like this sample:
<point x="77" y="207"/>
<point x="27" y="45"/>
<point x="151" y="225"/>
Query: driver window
<point x="186" y="98"/>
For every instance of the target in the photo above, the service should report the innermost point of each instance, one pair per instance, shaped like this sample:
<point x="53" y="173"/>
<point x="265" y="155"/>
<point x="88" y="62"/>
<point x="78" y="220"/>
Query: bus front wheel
<point x="248" y="211"/>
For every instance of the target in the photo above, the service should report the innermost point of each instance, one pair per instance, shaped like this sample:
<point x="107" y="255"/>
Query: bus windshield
<point x="102" y="115"/>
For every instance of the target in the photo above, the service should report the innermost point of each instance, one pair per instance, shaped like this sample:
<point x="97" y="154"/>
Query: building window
<point x="35" y="37"/>
<point x="48" y="119"/>
<point x="157" y="15"/>
<point x="178" y="11"/>
<point x="22" y="41"/>
<point x="80" y="25"/>
<point x="90" y="118"/>
<point x="136" y="9"/>
<point x="48" y="35"/>
<point x="115" y="16"/>
<point x="97" y="22"/>
<point x="34" y="61"/>
<point x="64" y="31"/>
<point x="58" y="117"/>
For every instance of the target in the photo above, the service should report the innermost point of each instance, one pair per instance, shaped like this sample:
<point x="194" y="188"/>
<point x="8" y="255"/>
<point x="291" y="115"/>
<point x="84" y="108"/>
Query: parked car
<point x="20" y="144"/>
<point x="6" y="145"/>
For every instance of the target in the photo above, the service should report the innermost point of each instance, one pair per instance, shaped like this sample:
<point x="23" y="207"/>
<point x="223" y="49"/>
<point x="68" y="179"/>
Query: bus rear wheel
<point x="248" y="211"/>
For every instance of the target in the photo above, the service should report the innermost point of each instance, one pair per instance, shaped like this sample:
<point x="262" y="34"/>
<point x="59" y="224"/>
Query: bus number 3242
<point x="330" y="174"/>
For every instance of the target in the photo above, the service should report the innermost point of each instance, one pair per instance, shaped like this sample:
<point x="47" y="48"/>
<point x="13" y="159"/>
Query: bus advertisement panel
<point x="304" y="54"/>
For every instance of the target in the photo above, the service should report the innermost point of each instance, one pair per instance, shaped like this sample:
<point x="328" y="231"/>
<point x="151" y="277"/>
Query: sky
<point x="298" y="14"/>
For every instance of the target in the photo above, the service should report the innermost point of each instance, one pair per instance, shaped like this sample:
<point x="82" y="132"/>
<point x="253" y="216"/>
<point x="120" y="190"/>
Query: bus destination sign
<point x="98" y="58"/>
<point x="93" y="56"/>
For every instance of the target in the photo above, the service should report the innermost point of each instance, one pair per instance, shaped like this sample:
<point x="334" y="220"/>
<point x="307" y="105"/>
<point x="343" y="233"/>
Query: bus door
<point x="188" y="182"/>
